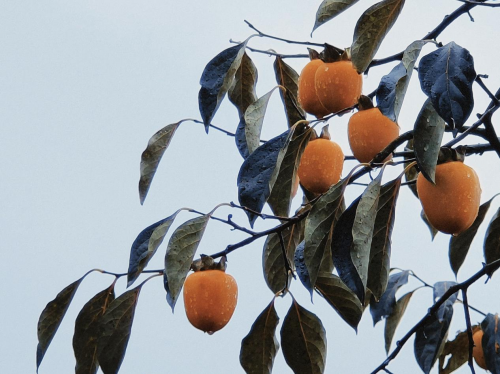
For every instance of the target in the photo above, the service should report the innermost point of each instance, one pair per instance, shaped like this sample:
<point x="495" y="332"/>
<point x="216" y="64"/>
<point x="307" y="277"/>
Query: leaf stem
<point x="469" y="329"/>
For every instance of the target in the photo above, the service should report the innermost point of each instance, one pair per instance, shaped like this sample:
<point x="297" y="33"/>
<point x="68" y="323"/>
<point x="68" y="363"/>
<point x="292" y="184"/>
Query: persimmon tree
<point x="338" y="249"/>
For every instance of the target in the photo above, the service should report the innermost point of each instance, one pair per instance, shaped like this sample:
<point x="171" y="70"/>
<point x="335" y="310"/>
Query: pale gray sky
<point x="84" y="85"/>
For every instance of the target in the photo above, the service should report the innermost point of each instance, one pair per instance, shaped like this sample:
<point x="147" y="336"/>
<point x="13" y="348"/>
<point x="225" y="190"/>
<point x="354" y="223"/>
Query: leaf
<point x="303" y="340"/>
<point x="341" y="298"/>
<point x="446" y="76"/>
<point x="439" y="290"/>
<point x="429" y="130"/>
<point x="216" y="80"/>
<point x="301" y="268"/>
<point x="180" y="253"/>
<point x="491" y="342"/>
<point x="411" y="173"/>
<point x="240" y="138"/>
<point x="259" y="347"/>
<point x="145" y="245"/>
<point x="392" y="321"/>
<point x="385" y="306"/>
<point x="242" y="92"/>
<point x="152" y="155"/>
<point x="492" y="239"/>
<point x="460" y="244"/>
<point x="380" y="252"/>
<point x="280" y="198"/>
<point x="272" y="258"/>
<point x="257" y="174"/>
<point x="319" y="227"/>
<point x="52" y="316"/>
<point x="254" y="118"/>
<point x="459" y="351"/>
<point x="392" y="88"/>
<point x="115" y="327"/>
<point x="287" y="77"/>
<point x="87" y="332"/>
<point x="371" y="29"/>
<point x="329" y="9"/>
<point x="431" y="228"/>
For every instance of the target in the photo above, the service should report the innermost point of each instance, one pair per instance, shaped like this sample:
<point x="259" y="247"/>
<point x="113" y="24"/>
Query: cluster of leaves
<point x="324" y="235"/>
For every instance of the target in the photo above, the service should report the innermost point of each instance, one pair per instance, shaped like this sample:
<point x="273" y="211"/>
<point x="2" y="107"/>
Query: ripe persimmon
<point x="369" y="132"/>
<point x="321" y="165"/>
<point x="451" y="205"/>
<point x="308" y="99"/>
<point x="477" y="351"/>
<point x="210" y="298"/>
<point x="338" y="85"/>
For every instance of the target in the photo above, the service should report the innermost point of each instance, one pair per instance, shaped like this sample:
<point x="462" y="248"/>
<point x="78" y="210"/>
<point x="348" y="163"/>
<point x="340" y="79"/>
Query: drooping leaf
<point x="341" y="298"/>
<point x="280" y="198"/>
<point x="272" y="258"/>
<point x="380" y="252"/>
<point x="429" y="130"/>
<point x="152" y="155"/>
<point x="392" y="321"/>
<point x="411" y="173"/>
<point x="254" y="118"/>
<point x="491" y="342"/>
<point x="242" y="92"/>
<point x="115" y="328"/>
<point x="181" y="249"/>
<point x="257" y="174"/>
<point x="52" y="316"/>
<point x="458" y="350"/>
<point x="240" y="138"/>
<point x="439" y="290"/>
<point x="371" y="29"/>
<point x="319" y="227"/>
<point x="145" y="245"/>
<point x="330" y="9"/>
<point x="216" y="80"/>
<point x="259" y="347"/>
<point x="385" y="306"/>
<point x="492" y="239"/>
<point x="431" y="228"/>
<point x="446" y="76"/>
<point x="392" y="88"/>
<point x="301" y="267"/>
<point x="460" y="244"/>
<point x="87" y="331"/>
<point x="303" y="340"/>
<point x="287" y="77"/>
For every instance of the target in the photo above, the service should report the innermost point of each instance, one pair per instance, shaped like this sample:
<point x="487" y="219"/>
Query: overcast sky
<point x="85" y="84"/>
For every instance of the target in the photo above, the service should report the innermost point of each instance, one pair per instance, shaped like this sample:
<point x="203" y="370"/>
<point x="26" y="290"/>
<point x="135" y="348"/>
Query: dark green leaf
<point x="411" y="173"/>
<point x="460" y="244"/>
<point x="491" y="342"/>
<point x="380" y="252"/>
<point x="439" y="290"/>
<point x="145" y="245"/>
<point x="330" y="9"/>
<point x="242" y="92"/>
<point x="431" y="228"/>
<point x="288" y="78"/>
<point x="320" y="224"/>
<point x="259" y="347"/>
<point x="385" y="306"/>
<point x="492" y="239"/>
<point x="258" y="174"/>
<point x="115" y="327"/>
<point x="51" y="318"/>
<point x="240" y="138"/>
<point x="180" y="253"/>
<point x="341" y="298"/>
<point x="152" y="155"/>
<point x="429" y="130"/>
<point x="446" y="76"/>
<point x="371" y="29"/>
<point x="303" y="340"/>
<point x="217" y="79"/>
<point x="392" y="321"/>
<point x="459" y="351"/>
<point x="87" y="331"/>
<point x="301" y="268"/>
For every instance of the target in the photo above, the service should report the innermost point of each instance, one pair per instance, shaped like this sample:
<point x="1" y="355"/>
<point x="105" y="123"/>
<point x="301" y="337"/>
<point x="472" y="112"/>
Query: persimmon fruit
<point x="369" y="132"/>
<point x="477" y="351"/>
<point x="338" y="85"/>
<point x="210" y="298"/>
<point x="452" y="204"/>
<point x="321" y="165"/>
<point x="308" y="99"/>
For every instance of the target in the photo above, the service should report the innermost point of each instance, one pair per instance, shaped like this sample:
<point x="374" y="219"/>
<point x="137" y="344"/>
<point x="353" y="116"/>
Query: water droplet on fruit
<point x="210" y="332"/>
